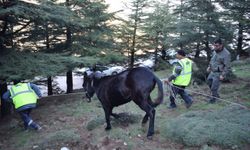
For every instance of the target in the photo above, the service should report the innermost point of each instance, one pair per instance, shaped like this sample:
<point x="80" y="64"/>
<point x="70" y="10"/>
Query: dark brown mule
<point x="134" y="84"/>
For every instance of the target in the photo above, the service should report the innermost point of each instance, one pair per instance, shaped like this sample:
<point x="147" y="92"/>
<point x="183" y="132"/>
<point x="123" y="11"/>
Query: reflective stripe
<point x="30" y="122"/>
<point x="185" y="76"/>
<point x="15" y="94"/>
<point x="185" y="73"/>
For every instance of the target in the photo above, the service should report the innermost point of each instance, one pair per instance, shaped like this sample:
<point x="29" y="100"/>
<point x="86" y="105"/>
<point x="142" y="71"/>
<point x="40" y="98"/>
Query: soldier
<point x="218" y="68"/>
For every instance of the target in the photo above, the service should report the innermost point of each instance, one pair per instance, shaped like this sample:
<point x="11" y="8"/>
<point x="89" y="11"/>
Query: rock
<point x="35" y="147"/>
<point x="62" y="119"/>
<point x="64" y="148"/>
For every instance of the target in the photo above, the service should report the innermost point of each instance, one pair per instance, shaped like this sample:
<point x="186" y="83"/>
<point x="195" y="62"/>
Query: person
<point x="24" y="97"/>
<point x="218" y="68"/>
<point x="180" y="79"/>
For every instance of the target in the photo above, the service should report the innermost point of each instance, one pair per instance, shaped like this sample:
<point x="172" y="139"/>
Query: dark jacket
<point x="221" y="62"/>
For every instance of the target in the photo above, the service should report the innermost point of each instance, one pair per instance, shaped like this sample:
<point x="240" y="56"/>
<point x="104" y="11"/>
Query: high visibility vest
<point x="185" y="76"/>
<point x="22" y="94"/>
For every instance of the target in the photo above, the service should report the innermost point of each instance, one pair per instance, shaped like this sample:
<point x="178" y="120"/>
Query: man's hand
<point x="166" y="82"/>
<point x="221" y="77"/>
<point x="208" y="69"/>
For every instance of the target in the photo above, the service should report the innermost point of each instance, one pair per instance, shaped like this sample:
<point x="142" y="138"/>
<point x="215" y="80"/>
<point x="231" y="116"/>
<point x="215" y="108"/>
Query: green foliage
<point x="241" y="71"/>
<point x="112" y="58"/>
<point x="42" y="26"/>
<point x="199" y="21"/>
<point x="25" y="65"/>
<point x="227" y="127"/>
<point x="162" y="65"/>
<point x="135" y="37"/>
<point x="58" y="137"/>
<point x="199" y="75"/>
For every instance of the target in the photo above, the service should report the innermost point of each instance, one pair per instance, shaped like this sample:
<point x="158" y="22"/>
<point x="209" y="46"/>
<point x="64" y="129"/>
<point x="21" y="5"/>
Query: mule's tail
<point x="159" y="99"/>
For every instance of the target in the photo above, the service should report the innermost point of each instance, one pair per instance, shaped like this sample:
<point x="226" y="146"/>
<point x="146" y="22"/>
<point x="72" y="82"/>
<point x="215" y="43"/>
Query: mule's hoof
<point x="150" y="137"/>
<point x="107" y="128"/>
<point x="143" y="124"/>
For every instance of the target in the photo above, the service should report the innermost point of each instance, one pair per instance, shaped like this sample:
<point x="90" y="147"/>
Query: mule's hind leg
<point x="145" y="118"/>
<point x="107" y="117"/>
<point x="150" y="112"/>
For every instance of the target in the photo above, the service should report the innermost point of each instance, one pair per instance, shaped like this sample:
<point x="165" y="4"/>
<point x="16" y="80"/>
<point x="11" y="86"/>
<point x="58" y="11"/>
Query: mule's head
<point x="88" y="84"/>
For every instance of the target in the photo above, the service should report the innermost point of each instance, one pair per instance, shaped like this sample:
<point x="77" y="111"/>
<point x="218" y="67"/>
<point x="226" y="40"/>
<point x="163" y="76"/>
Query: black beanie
<point x="181" y="52"/>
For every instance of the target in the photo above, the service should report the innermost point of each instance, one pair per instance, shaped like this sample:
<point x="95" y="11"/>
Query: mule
<point x="133" y="84"/>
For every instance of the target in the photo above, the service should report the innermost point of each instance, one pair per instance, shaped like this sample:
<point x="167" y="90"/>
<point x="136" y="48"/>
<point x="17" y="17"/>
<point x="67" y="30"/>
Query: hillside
<point x="70" y="121"/>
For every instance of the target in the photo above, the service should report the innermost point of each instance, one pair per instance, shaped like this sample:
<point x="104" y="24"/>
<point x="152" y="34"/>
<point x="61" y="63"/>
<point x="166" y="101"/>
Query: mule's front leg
<point x="107" y="117"/>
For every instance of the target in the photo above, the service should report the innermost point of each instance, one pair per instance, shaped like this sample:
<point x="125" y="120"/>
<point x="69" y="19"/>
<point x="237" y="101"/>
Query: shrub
<point x="227" y="127"/>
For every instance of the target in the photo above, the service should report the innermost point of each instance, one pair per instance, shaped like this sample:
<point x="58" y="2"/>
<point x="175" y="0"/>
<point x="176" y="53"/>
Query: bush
<point x="228" y="127"/>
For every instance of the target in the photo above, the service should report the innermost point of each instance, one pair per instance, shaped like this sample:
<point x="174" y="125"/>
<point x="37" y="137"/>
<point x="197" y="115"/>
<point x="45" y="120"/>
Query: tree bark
<point x="69" y="82"/>
<point x="6" y="107"/>
<point x="197" y="52"/>
<point x="240" y="40"/>
<point x="132" y="57"/>
<point x="49" y="82"/>
<point x="208" y="50"/>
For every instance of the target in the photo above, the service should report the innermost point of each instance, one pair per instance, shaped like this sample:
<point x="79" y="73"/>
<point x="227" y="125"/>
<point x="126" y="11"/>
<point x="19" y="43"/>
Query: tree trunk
<point x="69" y="79"/>
<point x="208" y="50"/>
<point x="6" y="107"/>
<point x="181" y="34"/>
<point x="156" y="59"/>
<point x="132" y="57"/>
<point x="69" y="82"/>
<point x="49" y="79"/>
<point x="49" y="82"/>
<point x="197" y="52"/>
<point x="240" y="40"/>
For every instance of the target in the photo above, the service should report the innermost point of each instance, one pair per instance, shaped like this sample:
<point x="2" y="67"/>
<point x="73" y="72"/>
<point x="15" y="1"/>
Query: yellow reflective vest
<point x="185" y="76"/>
<point x="22" y="94"/>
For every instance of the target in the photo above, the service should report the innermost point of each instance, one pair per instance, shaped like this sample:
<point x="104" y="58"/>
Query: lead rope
<point x="170" y="85"/>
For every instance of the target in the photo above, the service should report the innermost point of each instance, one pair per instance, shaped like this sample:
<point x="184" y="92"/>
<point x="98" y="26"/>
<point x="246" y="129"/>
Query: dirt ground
<point x="70" y="121"/>
<point x="56" y="115"/>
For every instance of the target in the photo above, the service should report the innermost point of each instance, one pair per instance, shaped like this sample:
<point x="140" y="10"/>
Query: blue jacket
<point x="7" y="97"/>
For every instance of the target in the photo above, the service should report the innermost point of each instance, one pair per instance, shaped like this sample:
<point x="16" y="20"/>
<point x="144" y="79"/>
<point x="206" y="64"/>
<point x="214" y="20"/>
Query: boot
<point x="189" y="104"/>
<point x="35" y="126"/>
<point x="212" y="101"/>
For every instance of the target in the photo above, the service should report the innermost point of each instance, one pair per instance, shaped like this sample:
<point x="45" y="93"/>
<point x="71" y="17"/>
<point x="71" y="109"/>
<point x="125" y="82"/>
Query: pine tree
<point x="135" y="22"/>
<point x="199" y="25"/>
<point x="239" y="11"/>
<point x="159" y="26"/>
<point x="46" y="24"/>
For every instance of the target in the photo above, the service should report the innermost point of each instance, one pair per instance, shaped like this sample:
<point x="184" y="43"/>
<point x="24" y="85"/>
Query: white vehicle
<point x="172" y="61"/>
<point x="113" y="70"/>
<point x="147" y="63"/>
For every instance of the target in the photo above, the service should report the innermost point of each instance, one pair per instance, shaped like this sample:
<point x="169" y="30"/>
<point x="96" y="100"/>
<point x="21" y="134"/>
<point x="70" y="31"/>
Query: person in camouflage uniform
<point x="219" y="68"/>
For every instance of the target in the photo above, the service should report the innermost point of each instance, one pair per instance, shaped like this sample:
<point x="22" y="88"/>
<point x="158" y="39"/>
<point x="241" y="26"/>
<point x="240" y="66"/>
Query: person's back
<point x="24" y="97"/>
<point x="180" y="79"/>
